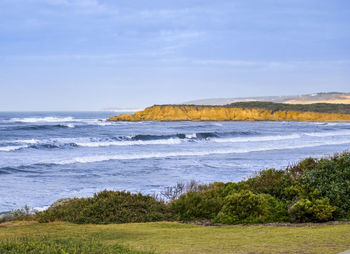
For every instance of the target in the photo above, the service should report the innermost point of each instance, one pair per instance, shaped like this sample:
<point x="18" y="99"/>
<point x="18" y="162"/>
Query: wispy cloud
<point x="81" y="3"/>
<point x="272" y="65"/>
<point x="81" y="6"/>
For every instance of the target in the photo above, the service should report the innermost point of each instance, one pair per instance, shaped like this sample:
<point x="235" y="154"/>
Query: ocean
<point x="45" y="156"/>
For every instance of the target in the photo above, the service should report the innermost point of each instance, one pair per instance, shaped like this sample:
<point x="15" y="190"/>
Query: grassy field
<point x="168" y="237"/>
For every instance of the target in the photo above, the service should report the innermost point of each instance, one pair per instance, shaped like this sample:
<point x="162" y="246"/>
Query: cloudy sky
<point x="95" y="54"/>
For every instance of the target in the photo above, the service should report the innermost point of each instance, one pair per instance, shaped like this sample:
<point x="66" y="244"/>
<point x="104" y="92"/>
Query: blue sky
<point x="95" y="54"/>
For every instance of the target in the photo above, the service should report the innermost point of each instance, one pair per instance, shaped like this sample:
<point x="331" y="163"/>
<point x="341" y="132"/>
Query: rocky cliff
<point x="217" y="113"/>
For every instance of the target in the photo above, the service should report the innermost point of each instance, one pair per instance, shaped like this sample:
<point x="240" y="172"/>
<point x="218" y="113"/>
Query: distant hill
<point x="333" y="97"/>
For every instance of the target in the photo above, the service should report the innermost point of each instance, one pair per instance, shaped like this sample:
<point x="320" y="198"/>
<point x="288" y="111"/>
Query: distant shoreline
<point x="242" y="111"/>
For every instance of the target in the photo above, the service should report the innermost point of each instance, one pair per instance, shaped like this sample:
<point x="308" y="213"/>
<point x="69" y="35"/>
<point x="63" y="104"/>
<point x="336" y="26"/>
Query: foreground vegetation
<point x="171" y="237"/>
<point x="45" y="245"/>
<point x="314" y="190"/>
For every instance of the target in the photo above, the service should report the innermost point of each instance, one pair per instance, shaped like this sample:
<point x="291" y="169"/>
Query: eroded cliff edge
<point x="232" y="113"/>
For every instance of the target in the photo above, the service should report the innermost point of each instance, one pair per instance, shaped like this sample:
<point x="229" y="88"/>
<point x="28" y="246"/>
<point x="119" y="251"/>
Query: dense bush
<point x="310" y="191"/>
<point x="199" y="205"/>
<point x="270" y="181"/>
<point x="247" y="207"/>
<point x="49" y="246"/>
<point x="305" y="210"/>
<point x="108" y="207"/>
<point x="331" y="178"/>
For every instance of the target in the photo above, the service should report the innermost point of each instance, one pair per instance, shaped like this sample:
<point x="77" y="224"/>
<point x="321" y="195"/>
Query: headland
<point x="242" y="111"/>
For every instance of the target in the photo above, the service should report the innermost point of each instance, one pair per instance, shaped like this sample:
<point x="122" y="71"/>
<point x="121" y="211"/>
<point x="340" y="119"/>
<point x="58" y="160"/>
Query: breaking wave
<point x="41" y="127"/>
<point x="99" y="158"/>
<point x="11" y="148"/>
<point x="253" y="139"/>
<point x="48" y="119"/>
<point x="170" y="141"/>
<point x="329" y="133"/>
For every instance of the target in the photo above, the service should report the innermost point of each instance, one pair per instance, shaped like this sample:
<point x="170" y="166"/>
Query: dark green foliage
<point x="298" y="170"/>
<point x="316" y="107"/>
<point x="271" y="181"/>
<point x="266" y="105"/>
<point x="48" y="246"/>
<point x="247" y="207"/>
<point x="314" y="190"/>
<point x="108" y="207"/>
<point x="199" y="205"/>
<point x="331" y="178"/>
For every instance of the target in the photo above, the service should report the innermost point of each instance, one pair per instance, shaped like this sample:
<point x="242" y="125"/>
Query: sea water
<point x="45" y="156"/>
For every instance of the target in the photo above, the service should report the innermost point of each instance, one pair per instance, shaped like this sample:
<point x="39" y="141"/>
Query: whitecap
<point x="48" y="119"/>
<point x="40" y="209"/>
<point x="100" y="158"/>
<point x="130" y="143"/>
<point x="329" y="133"/>
<point x="11" y="148"/>
<point x="253" y="139"/>
<point x="191" y="136"/>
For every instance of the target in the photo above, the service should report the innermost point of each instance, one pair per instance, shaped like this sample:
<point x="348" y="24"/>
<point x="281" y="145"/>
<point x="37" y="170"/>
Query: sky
<point x="97" y="54"/>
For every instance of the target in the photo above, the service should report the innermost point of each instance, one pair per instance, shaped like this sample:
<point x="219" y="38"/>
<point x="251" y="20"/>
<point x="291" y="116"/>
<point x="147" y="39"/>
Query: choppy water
<point x="47" y="156"/>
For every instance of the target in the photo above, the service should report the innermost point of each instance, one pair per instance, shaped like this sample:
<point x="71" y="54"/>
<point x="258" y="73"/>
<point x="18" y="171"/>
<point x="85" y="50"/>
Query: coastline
<point x="226" y="113"/>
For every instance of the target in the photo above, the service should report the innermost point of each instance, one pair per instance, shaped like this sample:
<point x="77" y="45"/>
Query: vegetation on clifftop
<point x="316" y="107"/>
<point x="273" y="106"/>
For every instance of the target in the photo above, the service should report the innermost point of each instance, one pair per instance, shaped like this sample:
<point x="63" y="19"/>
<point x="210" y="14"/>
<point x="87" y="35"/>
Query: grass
<point x="167" y="237"/>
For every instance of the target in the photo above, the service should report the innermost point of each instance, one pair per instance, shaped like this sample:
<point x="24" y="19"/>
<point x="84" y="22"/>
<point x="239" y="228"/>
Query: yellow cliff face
<point x="208" y="113"/>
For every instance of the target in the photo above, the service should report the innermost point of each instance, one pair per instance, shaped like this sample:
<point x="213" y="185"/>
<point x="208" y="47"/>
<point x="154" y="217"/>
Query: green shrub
<point x="305" y="210"/>
<point x="322" y="210"/>
<point x="48" y="246"/>
<point x="270" y="181"/>
<point x="108" y="207"/>
<point x="301" y="211"/>
<point x="331" y="179"/>
<point x="311" y="190"/>
<point x="247" y="207"/>
<point x="198" y="205"/>
<point x="299" y="169"/>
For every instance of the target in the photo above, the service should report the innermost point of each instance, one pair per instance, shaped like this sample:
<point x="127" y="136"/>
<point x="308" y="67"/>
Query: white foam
<point x="48" y="119"/>
<point x="40" y="209"/>
<point x="253" y="139"/>
<point x="22" y="141"/>
<point x="26" y="141"/>
<point x="100" y="123"/>
<point x="190" y="136"/>
<point x="329" y="133"/>
<point x="100" y="158"/>
<point x="70" y="125"/>
<point x="11" y="148"/>
<point x="171" y="141"/>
